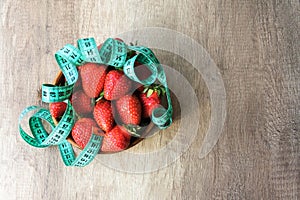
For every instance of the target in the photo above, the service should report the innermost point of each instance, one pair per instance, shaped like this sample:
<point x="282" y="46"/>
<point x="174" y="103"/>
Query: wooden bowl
<point x="145" y="131"/>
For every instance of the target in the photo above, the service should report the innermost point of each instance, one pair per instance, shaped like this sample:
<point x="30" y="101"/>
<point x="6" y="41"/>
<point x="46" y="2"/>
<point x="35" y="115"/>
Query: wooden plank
<point x="255" y="44"/>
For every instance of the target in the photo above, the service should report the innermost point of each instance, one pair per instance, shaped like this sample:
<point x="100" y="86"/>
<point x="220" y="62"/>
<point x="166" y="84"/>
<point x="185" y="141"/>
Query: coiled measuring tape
<point x="113" y="53"/>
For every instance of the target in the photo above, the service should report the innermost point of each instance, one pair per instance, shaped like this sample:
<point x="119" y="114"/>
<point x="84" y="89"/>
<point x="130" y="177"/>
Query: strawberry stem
<point x="100" y="96"/>
<point x="150" y="92"/>
<point x="154" y="87"/>
<point x="132" y="129"/>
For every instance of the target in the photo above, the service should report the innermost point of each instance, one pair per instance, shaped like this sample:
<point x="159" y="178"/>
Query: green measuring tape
<point x="58" y="136"/>
<point x="113" y="53"/>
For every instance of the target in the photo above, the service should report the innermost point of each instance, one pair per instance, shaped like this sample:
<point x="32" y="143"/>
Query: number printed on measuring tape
<point x="86" y="155"/>
<point x="114" y="53"/>
<point x="41" y="138"/>
<point x="89" y="50"/>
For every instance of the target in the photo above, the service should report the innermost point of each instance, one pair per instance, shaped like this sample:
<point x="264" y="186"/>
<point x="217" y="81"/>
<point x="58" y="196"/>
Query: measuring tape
<point x="114" y="53"/>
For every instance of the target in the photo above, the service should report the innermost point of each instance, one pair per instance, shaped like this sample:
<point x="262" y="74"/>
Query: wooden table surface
<point x="255" y="45"/>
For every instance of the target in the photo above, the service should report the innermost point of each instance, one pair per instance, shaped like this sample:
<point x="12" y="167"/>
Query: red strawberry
<point x="92" y="77"/>
<point x="82" y="103"/>
<point x="116" y="85"/>
<point x="103" y="115"/>
<point x="99" y="46"/>
<point x="150" y="98"/>
<point x="119" y="39"/>
<point x="57" y="109"/>
<point x="149" y="103"/>
<point x="129" y="109"/>
<point x="82" y="131"/>
<point x="116" y="140"/>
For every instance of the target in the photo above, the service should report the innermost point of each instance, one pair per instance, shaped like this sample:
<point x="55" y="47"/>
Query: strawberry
<point x="92" y="78"/>
<point x="119" y="39"/>
<point x="82" y="131"/>
<point x="150" y="99"/>
<point x="115" y="140"/>
<point x="149" y="103"/>
<point x="116" y="85"/>
<point x="103" y="115"/>
<point x="57" y="109"/>
<point x="82" y="103"/>
<point x="99" y="46"/>
<point x="129" y="109"/>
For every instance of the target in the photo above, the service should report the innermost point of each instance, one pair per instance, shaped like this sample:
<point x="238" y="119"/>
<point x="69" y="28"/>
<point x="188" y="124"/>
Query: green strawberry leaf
<point x="145" y="90"/>
<point x="163" y="90"/>
<point x="132" y="129"/>
<point x="158" y="92"/>
<point x="100" y="96"/>
<point x="150" y="92"/>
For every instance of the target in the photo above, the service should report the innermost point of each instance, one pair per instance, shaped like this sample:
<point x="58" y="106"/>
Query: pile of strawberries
<point x="106" y="100"/>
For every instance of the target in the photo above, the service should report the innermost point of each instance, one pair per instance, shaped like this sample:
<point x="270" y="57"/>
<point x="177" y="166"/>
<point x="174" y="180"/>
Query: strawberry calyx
<point x="134" y="44"/>
<point x="130" y="54"/>
<point x="100" y="96"/>
<point x="132" y="129"/>
<point x="158" y="88"/>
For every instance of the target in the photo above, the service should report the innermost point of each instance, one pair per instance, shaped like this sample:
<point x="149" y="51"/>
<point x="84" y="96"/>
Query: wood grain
<point x="255" y="44"/>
